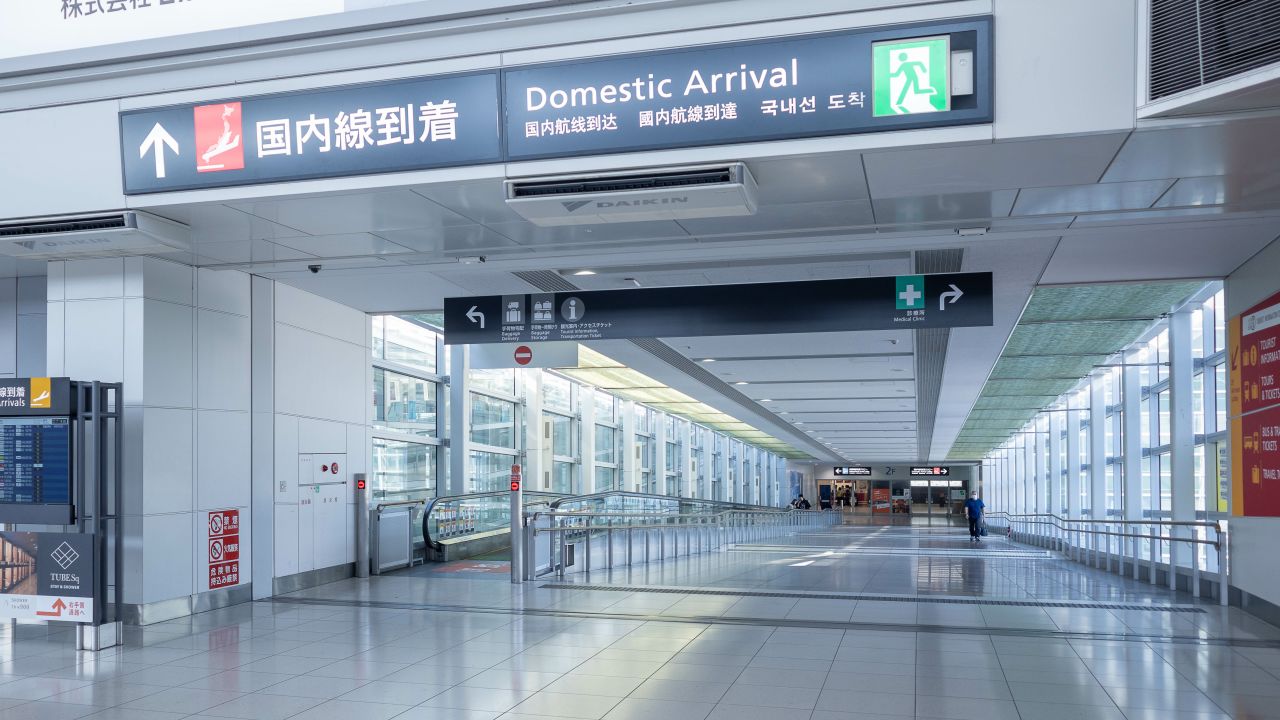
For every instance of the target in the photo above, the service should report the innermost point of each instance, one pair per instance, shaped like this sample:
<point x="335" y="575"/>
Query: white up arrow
<point x="156" y="140"/>
<point x="955" y="294"/>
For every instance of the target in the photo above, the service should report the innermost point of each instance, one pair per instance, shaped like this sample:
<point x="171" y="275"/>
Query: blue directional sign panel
<point x="378" y="128"/>
<point x="894" y="78"/>
<point x="830" y="84"/>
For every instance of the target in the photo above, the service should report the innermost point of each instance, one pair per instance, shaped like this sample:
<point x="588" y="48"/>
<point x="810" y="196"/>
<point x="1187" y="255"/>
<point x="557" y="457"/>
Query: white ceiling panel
<point x="1024" y="224"/>
<point x="821" y="418"/>
<point x="1089" y="198"/>
<point x="481" y="201"/>
<point x="453" y="240"/>
<point x="362" y="212"/>
<point x="814" y="369"/>
<point x="996" y="166"/>
<point x="213" y="223"/>
<point x="1243" y="146"/>
<point x="798" y="408"/>
<point x="944" y="208"/>
<point x="249" y="251"/>
<point x="1255" y="191"/>
<point x="1145" y="217"/>
<point x="795" y="218"/>
<point x="1158" y="253"/>
<point x="525" y="233"/>
<point x="748" y="346"/>
<point x="344" y="245"/>
<point x="827" y="177"/>
<point x="817" y="390"/>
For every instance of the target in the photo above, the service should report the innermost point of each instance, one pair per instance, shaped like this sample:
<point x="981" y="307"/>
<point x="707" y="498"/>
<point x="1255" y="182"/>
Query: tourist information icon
<point x="911" y="77"/>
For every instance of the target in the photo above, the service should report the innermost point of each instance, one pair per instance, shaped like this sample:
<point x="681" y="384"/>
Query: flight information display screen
<point x="35" y="470"/>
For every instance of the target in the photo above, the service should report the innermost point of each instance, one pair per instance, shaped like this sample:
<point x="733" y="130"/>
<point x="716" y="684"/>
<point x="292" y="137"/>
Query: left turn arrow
<point x="157" y="140"/>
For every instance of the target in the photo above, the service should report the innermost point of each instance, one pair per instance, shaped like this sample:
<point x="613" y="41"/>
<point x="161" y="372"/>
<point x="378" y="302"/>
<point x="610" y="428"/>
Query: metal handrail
<point x="648" y="496"/>
<point x="1077" y="538"/>
<point x="705" y="530"/>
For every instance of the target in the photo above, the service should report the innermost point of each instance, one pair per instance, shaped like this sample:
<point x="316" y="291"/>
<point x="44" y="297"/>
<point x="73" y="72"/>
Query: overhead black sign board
<point x="824" y="84"/>
<point x="857" y="81"/>
<point x="361" y="129"/>
<point x="35" y="396"/>
<point x="906" y="302"/>
<point x="936" y="470"/>
<point x="853" y="471"/>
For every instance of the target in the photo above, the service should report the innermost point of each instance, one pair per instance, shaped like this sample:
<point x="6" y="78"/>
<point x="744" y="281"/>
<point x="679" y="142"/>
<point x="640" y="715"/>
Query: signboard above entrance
<point x="846" y="82"/>
<point x="853" y="471"/>
<point x="906" y="302"/>
<point x="829" y="84"/>
<point x="357" y="130"/>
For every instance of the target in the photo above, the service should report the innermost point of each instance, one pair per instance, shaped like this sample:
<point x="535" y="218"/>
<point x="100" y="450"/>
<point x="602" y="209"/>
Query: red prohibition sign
<point x="524" y="355"/>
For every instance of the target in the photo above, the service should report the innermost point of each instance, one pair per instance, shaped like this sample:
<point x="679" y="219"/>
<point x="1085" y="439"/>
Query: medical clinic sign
<point x="33" y="27"/>
<point x="896" y="78"/>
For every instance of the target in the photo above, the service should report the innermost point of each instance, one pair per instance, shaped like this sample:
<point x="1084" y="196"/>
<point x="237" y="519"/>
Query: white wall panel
<point x="92" y="279"/>
<point x="166" y="477"/>
<point x="286" y="459"/>
<point x="169" y="353"/>
<point x="223" y="290"/>
<point x="324" y="317"/>
<point x="55" y="346"/>
<point x="222" y="360"/>
<point x="222" y="460"/>
<point x="321" y="436"/>
<point x="93" y="340"/>
<point x="32" y="295"/>
<point x="286" y="540"/>
<point x="83" y="175"/>
<point x="159" y="280"/>
<point x="32" y="345"/>
<point x="8" y="326"/>
<point x="1049" y="82"/>
<point x="312" y="372"/>
<point x="166" y="558"/>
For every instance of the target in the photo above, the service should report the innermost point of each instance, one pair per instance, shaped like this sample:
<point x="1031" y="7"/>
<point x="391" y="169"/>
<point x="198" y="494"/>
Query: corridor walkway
<point x="850" y="623"/>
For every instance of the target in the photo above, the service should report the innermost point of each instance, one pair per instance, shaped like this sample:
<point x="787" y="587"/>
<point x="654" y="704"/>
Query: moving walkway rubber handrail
<point x="532" y="498"/>
<point x="647" y="496"/>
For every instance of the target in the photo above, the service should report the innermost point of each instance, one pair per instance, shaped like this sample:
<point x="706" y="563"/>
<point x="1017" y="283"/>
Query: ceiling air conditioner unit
<point x="683" y="193"/>
<point x="108" y="235"/>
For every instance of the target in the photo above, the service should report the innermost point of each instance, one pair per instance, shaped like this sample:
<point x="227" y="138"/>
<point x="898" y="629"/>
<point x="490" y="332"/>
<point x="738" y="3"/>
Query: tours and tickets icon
<point x="911" y="77"/>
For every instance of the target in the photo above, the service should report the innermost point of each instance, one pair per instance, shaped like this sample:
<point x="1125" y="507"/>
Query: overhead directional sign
<point x="853" y="471"/>
<point x="355" y="130"/>
<point x="879" y="303"/>
<point x="931" y="470"/>
<point x="852" y="81"/>
<point x="825" y="84"/>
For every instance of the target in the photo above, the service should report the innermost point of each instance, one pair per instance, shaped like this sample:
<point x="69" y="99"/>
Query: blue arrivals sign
<point x="898" y="78"/>
<point x="384" y="127"/>
<point x="832" y="84"/>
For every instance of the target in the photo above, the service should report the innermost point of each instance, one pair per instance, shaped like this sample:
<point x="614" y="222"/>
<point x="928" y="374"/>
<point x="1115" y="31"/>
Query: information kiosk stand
<point x="60" y="469"/>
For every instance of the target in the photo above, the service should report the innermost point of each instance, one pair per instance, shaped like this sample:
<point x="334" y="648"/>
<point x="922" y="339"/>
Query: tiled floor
<point x="470" y="646"/>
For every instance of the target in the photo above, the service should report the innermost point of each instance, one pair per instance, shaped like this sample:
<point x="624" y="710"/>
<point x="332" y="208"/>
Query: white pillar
<point x="1098" y="447"/>
<point x="1181" y="428"/>
<point x="1073" y="461"/>
<point x="1132" y="435"/>
<point x="587" y="410"/>
<point x="1056" y="422"/>
<point x="459" y="421"/>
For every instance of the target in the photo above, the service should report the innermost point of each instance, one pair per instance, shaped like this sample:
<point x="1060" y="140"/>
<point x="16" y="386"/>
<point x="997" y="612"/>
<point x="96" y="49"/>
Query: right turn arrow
<point x="955" y="294"/>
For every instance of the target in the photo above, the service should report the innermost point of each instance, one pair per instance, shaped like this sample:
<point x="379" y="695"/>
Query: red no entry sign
<point x="524" y="355"/>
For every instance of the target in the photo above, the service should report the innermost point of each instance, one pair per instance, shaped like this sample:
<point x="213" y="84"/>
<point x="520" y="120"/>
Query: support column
<point x="1098" y="455"/>
<point x="1181" y="431"/>
<point x="1073" y="471"/>
<point x="1131" y="399"/>
<point x="459" y="420"/>
<point x="1056" y="422"/>
<point x="587" y="412"/>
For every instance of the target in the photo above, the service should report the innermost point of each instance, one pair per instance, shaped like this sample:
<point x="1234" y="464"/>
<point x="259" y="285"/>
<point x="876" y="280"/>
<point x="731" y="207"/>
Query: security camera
<point x="314" y="268"/>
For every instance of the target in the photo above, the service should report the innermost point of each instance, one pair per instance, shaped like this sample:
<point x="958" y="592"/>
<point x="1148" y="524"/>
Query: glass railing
<point x="461" y="516"/>
<point x="627" y="502"/>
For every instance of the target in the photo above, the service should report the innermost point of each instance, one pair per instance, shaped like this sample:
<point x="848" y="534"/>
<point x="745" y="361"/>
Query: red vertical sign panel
<point x="224" y="548"/>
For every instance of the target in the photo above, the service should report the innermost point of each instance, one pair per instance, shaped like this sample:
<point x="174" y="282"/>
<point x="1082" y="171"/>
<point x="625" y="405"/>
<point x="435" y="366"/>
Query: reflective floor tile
<point x="262" y="707"/>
